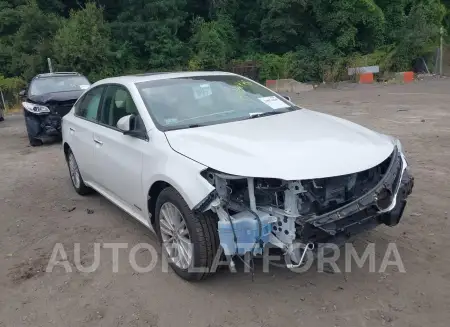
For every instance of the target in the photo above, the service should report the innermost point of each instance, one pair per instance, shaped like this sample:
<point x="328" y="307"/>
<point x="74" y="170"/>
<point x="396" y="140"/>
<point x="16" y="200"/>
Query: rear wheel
<point x="75" y="176"/>
<point x="189" y="241"/>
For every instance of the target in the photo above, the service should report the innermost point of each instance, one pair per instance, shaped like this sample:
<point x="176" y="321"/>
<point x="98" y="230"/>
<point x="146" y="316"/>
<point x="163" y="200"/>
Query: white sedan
<point x="214" y="161"/>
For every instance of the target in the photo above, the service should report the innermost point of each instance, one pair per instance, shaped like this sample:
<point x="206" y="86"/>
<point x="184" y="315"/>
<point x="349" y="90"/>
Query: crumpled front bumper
<point x="392" y="218"/>
<point x="385" y="203"/>
<point x="43" y="127"/>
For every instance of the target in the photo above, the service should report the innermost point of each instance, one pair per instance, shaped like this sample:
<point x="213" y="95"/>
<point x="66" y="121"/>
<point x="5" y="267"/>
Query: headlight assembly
<point x="35" y="108"/>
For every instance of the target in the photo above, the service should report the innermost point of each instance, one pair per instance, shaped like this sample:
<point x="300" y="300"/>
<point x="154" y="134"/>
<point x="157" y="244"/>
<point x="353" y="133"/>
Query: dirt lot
<point x="39" y="208"/>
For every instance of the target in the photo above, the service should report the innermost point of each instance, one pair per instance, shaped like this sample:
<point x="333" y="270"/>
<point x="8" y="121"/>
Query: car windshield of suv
<point x="187" y="102"/>
<point x="43" y="85"/>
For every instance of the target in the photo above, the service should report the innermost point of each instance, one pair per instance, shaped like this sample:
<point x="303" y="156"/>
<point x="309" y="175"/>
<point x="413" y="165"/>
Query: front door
<point x="119" y="157"/>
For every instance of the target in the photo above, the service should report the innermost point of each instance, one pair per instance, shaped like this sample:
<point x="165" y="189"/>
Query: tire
<point x="35" y="142"/>
<point x="32" y="125"/>
<point x="75" y="176"/>
<point x="202" y="234"/>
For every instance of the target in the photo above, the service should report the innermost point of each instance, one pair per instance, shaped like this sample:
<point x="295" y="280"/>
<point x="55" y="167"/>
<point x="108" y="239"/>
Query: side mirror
<point x="287" y="97"/>
<point x="127" y="125"/>
<point x="22" y="93"/>
<point x="124" y="123"/>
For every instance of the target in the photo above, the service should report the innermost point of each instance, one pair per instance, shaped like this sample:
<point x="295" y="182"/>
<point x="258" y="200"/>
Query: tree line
<point x="309" y="40"/>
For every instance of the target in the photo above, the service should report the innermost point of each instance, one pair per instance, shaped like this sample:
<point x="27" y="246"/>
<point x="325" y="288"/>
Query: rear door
<point x="119" y="157"/>
<point x="79" y="130"/>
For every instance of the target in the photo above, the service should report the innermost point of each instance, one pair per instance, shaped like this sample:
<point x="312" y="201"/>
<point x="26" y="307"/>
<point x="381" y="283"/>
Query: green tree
<point x="150" y="30"/>
<point x="25" y="38"/>
<point x="83" y="43"/>
<point x="350" y="25"/>
<point x="419" y="33"/>
<point x="308" y="40"/>
<point x="446" y="22"/>
<point x="213" y="43"/>
<point x="285" y="24"/>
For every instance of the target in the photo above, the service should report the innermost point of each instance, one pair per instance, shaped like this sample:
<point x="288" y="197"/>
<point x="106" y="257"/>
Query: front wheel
<point x="189" y="241"/>
<point x="35" y="142"/>
<point x="33" y="127"/>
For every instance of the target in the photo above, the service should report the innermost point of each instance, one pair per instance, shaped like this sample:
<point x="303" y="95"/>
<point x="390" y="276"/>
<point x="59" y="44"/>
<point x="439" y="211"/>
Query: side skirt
<point x="133" y="212"/>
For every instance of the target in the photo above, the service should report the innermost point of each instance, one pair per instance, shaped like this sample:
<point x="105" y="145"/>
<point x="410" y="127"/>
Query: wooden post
<point x="50" y="67"/>
<point x="441" y="53"/>
<point x="3" y="106"/>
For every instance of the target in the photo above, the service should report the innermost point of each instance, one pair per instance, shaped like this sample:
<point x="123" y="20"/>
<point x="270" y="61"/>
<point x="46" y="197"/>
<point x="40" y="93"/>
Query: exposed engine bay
<point x="253" y="212"/>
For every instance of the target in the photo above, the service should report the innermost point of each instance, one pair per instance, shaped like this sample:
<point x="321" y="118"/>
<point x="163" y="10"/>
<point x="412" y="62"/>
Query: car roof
<point x="145" y="77"/>
<point x="57" y="74"/>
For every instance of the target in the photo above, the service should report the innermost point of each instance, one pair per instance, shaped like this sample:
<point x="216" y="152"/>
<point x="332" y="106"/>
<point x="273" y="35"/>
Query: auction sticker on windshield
<point x="84" y="87"/>
<point x="274" y="102"/>
<point x="202" y="91"/>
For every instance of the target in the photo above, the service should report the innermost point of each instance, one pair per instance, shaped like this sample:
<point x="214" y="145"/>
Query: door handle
<point x="98" y="142"/>
<point x="71" y="129"/>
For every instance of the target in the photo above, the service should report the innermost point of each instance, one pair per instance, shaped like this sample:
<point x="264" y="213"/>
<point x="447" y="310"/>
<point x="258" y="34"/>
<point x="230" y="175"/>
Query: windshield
<point x="53" y="84"/>
<point x="205" y="100"/>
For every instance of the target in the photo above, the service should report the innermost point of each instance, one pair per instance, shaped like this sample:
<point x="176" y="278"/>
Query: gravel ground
<point x="39" y="208"/>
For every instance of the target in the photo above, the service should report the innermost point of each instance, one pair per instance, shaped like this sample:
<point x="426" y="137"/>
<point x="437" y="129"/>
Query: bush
<point x="274" y="66"/>
<point x="10" y="88"/>
<point x="11" y="84"/>
<point x="213" y="43"/>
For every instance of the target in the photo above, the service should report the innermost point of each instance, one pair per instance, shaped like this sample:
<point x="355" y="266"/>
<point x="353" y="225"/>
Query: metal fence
<point x="8" y="99"/>
<point x="248" y="69"/>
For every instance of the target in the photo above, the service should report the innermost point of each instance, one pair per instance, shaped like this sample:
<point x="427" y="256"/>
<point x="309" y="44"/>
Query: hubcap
<point x="74" y="172"/>
<point x="175" y="235"/>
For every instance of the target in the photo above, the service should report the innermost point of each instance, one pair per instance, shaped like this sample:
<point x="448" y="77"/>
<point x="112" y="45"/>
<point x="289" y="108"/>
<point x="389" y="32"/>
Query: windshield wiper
<point x="185" y="127"/>
<point x="264" y="114"/>
<point x="194" y="125"/>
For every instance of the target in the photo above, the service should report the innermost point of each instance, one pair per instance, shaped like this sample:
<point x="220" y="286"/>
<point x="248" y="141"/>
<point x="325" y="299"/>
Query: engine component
<point x="242" y="233"/>
<point x="284" y="229"/>
<point x="308" y="247"/>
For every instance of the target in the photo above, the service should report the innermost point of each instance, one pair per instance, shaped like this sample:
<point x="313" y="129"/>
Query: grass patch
<point x="14" y="109"/>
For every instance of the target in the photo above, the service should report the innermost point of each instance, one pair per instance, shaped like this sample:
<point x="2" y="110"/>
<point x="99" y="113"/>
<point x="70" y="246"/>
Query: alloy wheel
<point x="74" y="171"/>
<point x="175" y="235"/>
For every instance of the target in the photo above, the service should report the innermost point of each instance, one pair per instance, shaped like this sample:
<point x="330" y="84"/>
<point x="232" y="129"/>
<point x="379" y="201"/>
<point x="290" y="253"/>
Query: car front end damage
<point x="44" y="122"/>
<point x="43" y="118"/>
<point x="298" y="216"/>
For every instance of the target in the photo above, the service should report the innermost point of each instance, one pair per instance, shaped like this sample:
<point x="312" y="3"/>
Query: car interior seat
<point x="118" y="105"/>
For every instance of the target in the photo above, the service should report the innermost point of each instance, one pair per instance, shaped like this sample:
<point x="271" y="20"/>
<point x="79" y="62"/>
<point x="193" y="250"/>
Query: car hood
<point x="297" y="145"/>
<point x="55" y="97"/>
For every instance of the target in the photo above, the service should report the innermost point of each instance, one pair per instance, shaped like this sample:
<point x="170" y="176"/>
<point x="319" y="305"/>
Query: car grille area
<point x="328" y="194"/>
<point x="367" y="205"/>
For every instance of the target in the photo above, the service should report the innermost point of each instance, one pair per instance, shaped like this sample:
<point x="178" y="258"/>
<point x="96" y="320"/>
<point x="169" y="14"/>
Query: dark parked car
<point x="46" y="100"/>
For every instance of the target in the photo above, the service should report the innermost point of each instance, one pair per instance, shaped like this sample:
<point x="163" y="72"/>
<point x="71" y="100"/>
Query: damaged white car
<point x="213" y="160"/>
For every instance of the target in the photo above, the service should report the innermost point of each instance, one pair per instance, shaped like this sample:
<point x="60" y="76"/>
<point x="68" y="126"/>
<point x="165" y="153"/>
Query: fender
<point x="164" y="164"/>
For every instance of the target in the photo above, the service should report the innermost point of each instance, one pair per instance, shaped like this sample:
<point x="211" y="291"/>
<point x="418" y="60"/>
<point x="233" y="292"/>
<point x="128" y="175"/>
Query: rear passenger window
<point x="89" y="105"/>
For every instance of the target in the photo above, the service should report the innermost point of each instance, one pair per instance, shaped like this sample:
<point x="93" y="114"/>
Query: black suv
<point x="46" y="100"/>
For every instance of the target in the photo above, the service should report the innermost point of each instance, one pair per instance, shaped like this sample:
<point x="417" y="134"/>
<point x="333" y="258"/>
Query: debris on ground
<point x="68" y="209"/>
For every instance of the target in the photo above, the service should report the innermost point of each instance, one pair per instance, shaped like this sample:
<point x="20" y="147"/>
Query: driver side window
<point x="88" y="106"/>
<point x="117" y="104"/>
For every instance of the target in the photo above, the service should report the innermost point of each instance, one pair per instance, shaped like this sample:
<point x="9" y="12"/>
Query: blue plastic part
<point x="247" y="230"/>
